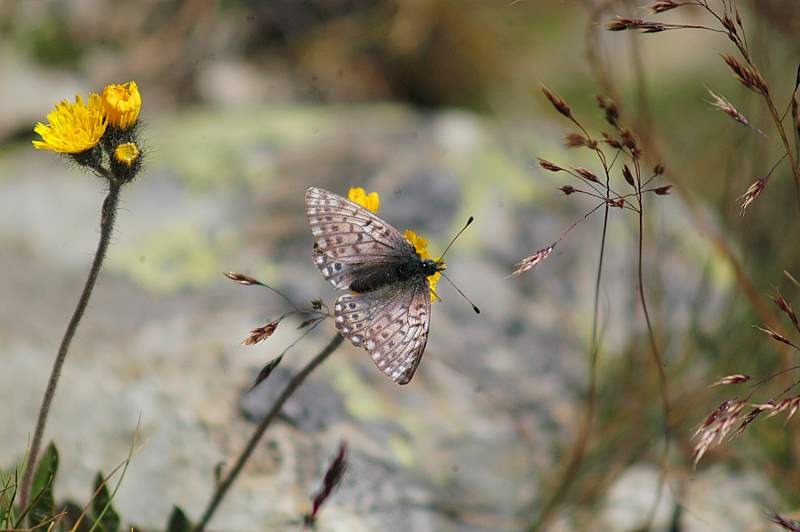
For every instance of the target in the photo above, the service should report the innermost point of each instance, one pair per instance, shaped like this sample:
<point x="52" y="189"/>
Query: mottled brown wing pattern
<point x="391" y="323"/>
<point x="347" y="235"/>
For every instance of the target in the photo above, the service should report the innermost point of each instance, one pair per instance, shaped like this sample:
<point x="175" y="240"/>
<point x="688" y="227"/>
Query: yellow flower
<point x="122" y="104"/>
<point x="126" y="153"/>
<point x="421" y="246"/>
<point x="72" y="127"/>
<point x="369" y="201"/>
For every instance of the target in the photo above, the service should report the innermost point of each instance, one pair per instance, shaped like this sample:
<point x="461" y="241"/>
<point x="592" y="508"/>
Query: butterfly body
<point x="406" y="268"/>
<point x="388" y="311"/>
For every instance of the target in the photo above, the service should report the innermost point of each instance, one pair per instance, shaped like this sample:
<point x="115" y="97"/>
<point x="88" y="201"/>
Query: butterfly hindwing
<point x="391" y="323"/>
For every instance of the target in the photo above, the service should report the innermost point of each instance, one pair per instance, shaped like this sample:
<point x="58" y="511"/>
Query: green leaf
<point x="178" y="522"/>
<point x="75" y="512"/>
<point x="43" y="504"/>
<point x="107" y="518"/>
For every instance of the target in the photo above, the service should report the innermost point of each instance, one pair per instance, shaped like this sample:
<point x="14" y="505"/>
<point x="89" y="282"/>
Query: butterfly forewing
<point x="346" y="234"/>
<point x="390" y="323"/>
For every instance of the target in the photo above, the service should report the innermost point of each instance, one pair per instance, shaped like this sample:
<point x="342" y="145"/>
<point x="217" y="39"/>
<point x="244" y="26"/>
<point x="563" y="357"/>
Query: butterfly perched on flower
<point x="388" y="310"/>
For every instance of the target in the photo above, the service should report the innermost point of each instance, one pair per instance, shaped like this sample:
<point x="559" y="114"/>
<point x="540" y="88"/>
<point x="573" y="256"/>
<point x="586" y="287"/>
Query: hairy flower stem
<point x="582" y="439"/>
<point x="294" y="384"/>
<point x="107" y="217"/>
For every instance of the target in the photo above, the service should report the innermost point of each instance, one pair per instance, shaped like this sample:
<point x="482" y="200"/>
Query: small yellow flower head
<point x="126" y="153"/>
<point x="122" y="104"/>
<point x="421" y="246"/>
<point x="370" y="201"/>
<point x="72" y="127"/>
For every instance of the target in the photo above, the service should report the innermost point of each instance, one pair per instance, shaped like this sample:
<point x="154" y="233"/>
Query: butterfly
<point x="389" y="307"/>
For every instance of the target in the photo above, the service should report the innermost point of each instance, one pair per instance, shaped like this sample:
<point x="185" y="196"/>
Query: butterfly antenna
<point x="474" y="307"/>
<point x="471" y="218"/>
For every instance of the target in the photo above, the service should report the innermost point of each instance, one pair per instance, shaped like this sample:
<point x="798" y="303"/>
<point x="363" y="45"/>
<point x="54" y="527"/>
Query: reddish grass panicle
<point x="727" y="20"/>
<point x="610" y="148"/>
<point x="622" y="144"/>
<point x="719" y="423"/>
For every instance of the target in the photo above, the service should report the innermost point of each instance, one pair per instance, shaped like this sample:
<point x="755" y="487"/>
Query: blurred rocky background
<point x="435" y="105"/>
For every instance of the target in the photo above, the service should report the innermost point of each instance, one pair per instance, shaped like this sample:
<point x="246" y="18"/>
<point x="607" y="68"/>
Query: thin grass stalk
<point x="785" y="139"/>
<point x="652" y="153"/>
<point x="107" y="218"/>
<point x="644" y="121"/>
<point x="582" y="441"/>
<point x="657" y="360"/>
<point x="776" y="118"/>
<point x="244" y="456"/>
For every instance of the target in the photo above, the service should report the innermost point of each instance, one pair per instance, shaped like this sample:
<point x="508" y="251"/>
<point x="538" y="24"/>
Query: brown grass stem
<point x="653" y="153"/>
<point x="107" y="218"/>
<point x="244" y="456"/>
<point x="578" y="452"/>
<point x="657" y="360"/>
<point x="785" y="139"/>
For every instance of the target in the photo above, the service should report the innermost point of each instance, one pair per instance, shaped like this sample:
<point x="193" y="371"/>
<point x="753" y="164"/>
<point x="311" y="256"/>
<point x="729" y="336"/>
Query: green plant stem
<point x="107" y="217"/>
<point x="294" y="384"/>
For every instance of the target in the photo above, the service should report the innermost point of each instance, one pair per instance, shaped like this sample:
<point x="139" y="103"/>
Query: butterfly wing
<point x="391" y="323"/>
<point x="348" y="238"/>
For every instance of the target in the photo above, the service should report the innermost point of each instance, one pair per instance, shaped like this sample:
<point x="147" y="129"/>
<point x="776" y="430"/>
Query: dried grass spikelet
<point x="558" y="102"/>
<point x="611" y="141"/>
<point x="778" y="337"/>
<point x="751" y="194"/>
<point x="717" y="426"/>
<point x="586" y="174"/>
<point x="577" y="140"/>
<point x="747" y="76"/>
<point x="629" y="141"/>
<point x="259" y="334"/>
<point x="532" y="260"/>
<point x="788" y="405"/>
<point x="241" y="278"/>
<point x="623" y="23"/>
<point x="548" y="165"/>
<point x="611" y="110"/>
<point x="728" y="24"/>
<point x="721" y="103"/>
<point x="731" y="379"/>
<point x="664" y="5"/>
<point x="626" y="173"/>
<point x="786" y="308"/>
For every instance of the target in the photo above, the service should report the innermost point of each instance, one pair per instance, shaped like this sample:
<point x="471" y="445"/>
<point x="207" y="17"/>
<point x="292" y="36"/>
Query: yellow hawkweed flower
<point x="370" y="201"/>
<point x="122" y="104"/>
<point x="126" y="153"/>
<point x="421" y="246"/>
<point x="72" y="127"/>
